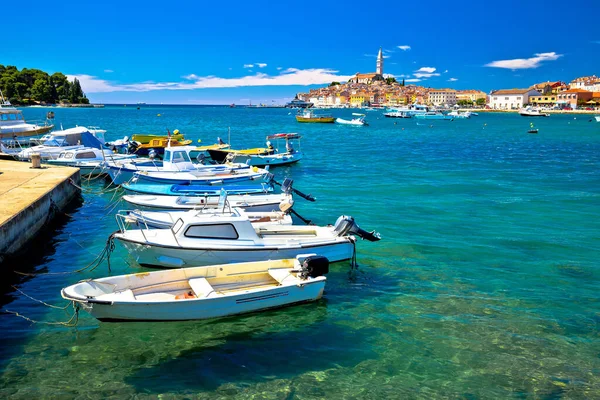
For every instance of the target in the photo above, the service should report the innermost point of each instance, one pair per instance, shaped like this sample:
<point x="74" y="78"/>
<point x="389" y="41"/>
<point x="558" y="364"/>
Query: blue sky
<point x="265" y="51"/>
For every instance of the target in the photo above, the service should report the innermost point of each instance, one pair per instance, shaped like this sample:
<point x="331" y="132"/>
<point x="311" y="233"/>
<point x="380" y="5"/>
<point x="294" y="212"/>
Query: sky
<point x="265" y="52"/>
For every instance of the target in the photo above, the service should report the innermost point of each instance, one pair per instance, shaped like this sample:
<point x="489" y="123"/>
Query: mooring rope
<point x="39" y="301"/>
<point x="104" y="255"/>
<point x="69" y="323"/>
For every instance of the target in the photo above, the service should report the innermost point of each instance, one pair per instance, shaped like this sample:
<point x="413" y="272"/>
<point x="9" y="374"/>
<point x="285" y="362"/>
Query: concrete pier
<point x="28" y="197"/>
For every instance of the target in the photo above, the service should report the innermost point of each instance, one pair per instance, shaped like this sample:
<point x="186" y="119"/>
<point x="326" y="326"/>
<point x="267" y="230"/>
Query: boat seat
<point x="281" y="274"/>
<point x="201" y="287"/>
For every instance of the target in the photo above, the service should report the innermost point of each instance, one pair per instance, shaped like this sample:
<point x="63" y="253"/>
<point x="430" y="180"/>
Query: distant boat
<point x="358" y="121"/>
<point x="397" y="114"/>
<point x="532" y="112"/>
<point x="309" y="116"/>
<point x="433" y="115"/>
<point x="297" y="103"/>
<point x="597" y="118"/>
<point x="532" y="129"/>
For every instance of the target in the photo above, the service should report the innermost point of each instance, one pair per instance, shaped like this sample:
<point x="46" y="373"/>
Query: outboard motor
<point x="286" y="186"/>
<point x="313" y="267"/>
<point x="345" y="225"/>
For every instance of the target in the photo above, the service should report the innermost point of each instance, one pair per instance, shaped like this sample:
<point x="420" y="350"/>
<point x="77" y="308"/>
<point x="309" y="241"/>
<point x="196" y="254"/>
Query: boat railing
<point x="124" y="221"/>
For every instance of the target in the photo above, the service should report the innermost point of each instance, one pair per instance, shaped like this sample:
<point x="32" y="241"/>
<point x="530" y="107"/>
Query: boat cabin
<point x="176" y="159"/>
<point x="292" y="142"/>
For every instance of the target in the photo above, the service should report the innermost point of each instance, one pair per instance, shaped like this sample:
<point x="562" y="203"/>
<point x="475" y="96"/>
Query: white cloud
<point x="288" y="77"/>
<point x="108" y="71"/>
<point x="446" y="71"/>
<point x="412" y="80"/>
<point x="452" y="80"/>
<point x="404" y="47"/>
<point x="596" y="41"/>
<point x="261" y="65"/>
<point x="425" y="72"/>
<point x="525" y="63"/>
<point x="279" y="68"/>
<point x="248" y="65"/>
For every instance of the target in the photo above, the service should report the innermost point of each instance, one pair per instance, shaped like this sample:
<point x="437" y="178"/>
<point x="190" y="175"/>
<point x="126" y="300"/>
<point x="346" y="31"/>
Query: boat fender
<point x="314" y="266"/>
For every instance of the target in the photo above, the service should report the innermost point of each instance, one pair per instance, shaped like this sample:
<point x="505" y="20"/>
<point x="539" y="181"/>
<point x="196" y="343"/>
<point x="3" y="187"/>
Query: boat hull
<point x="255" y="203"/>
<point x="8" y="133"/>
<point x="323" y="120"/>
<point x="195" y="190"/>
<point x="158" y="256"/>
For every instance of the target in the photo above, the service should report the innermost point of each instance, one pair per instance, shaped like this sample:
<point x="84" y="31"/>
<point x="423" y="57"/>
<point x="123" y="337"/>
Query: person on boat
<point x="289" y="148"/>
<point x="220" y="141"/>
<point x="270" y="148"/>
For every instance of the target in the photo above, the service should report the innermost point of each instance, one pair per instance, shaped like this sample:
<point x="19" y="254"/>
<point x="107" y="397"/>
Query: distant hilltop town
<point x="374" y="89"/>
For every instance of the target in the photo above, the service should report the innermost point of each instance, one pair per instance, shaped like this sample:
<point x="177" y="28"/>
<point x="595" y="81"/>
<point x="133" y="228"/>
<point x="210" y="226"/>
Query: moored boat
<point x="13" y="125"/>
<point x="274" y="156"/>
<point x="230" y="237"/>
<point x="257" y="202"/>
<point x="358" y="121"/>
<point x="532" y="112"/>
<point x="433" y="115"/>
<point x="202" y="292"/>
<point x="195" y="190"/>
<point x="597" y="118"/>
<point x="310" y="116"/>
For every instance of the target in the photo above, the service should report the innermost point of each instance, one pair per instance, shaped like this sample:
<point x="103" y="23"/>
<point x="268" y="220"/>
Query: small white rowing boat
<point x="201" y="293"/>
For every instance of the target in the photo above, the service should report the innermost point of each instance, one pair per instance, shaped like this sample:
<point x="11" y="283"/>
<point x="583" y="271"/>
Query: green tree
<point x="42" y="90"/>
<point x="480" y="102"/>
<point x="334" y="84"/>
<point x="402" y="82"/>
<point x="390" y="80"/>
<point x="75" y="93"/>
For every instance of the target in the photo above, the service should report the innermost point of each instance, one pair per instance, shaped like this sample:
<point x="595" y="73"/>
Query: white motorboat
<point x="230" y="237"/>
<point x="13" y="125"/>
<point x="259" y="202"/>
<point x="202" y="292"/>
<point x="175" y="159"/>
<point x="433" y="115"/>
<point x="59" y="141"/>
<point x="459" y="115"/>
<point x="275" y="156"/>
<point x="397" y="114"/>
<point x="532" y="112"/>
<point x="166" y="219"/>
<point x="208" y="176"/>
<point x="597" y="118"/>
<point x="88" y="159"/>
<point x="358" y="121"/>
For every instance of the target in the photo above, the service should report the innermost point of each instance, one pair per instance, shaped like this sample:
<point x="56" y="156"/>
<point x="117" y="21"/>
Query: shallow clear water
<point x="485" y="284"/>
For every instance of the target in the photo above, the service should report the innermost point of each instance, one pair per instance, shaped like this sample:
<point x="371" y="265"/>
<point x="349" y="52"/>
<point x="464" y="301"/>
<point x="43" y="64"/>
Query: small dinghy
<point x="201" y="293"/>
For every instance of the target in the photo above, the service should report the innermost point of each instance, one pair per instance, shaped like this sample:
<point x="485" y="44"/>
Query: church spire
<point x="380" y="62"/>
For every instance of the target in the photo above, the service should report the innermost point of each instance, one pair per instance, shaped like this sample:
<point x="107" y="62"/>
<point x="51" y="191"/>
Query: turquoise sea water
<point x="484" y="286"/>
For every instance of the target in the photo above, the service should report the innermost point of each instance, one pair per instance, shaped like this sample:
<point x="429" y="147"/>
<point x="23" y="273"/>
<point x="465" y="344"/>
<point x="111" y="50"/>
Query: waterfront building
<point x="359" y="99"/>
<point x="470" y="95"/>
<point x="589" y="83"/>
<point x="549" y="87"/>
<point x="574" y="98"/>
<point x="442" y="97"/>
<point x="511" y="99"/>
<point x="545" y="100"/>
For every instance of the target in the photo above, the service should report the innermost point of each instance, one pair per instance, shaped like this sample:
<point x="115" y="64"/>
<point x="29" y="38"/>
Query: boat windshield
<point x="177" y="226"/>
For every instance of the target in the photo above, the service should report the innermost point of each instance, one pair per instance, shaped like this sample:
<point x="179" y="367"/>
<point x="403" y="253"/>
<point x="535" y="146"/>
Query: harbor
<point x="488" y="235"/>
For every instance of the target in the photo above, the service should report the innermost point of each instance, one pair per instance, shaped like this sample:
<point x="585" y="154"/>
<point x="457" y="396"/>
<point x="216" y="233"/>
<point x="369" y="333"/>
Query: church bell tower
<point x="380" y="62"/>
